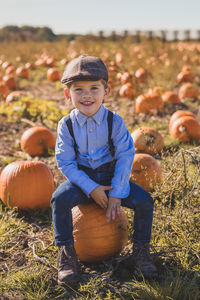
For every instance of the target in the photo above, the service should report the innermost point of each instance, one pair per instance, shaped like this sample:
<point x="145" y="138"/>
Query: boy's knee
<point x="145" y="202"/>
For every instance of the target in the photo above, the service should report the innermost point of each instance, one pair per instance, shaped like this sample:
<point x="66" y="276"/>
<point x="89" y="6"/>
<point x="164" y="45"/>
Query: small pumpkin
<point x="26" y="185"/>
<point x="4" y="90"/>
<point x="170" y="97"/>
<point x="30" y="66"/>
<point x="185" y="129"/>
<point x="147" y="140"/>
<point x="186" y="68"/>
<point x="148" y="103"/>
<point x="36" y="140"/>
<point x="6" y="64"/>
<point x="10" y="70"/>
<point x="185" y="76"/>
<point x="10" y="81"/>
<point x="146" y="171"/>
<point x="95" y="239"/>
<point x="141" y="75"/>
<point x="53" y="74"/>
<point x="14" y="96"/>
<point x="156" y="89"/>
<point x="127" y="90"/>
<point x="50" y="61"/>
<point x="23" y="72"/>
<point x="125" y="77"/>
<point x="188" y="90"/>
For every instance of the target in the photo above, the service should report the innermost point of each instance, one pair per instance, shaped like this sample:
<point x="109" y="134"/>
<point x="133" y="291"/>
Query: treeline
<point x="25" y="33"/>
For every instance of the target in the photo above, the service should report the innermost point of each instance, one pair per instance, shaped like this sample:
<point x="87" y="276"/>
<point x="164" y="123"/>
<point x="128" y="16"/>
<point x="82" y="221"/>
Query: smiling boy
<point x="95" y="152"/>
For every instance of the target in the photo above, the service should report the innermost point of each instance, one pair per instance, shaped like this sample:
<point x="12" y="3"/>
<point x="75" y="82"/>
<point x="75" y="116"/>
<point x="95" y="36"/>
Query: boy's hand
<point x="99" y="195"/>
<point x="114" y="207"/>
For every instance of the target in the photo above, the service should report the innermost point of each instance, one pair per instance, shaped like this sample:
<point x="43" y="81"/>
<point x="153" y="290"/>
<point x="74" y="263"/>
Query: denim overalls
<point x="68" y="195"/>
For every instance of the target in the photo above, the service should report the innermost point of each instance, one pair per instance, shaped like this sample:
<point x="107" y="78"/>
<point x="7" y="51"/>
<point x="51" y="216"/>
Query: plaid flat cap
<point x="84" y="68"/>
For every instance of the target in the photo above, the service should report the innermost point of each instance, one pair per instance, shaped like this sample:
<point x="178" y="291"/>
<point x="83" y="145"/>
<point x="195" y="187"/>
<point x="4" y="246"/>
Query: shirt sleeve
<point x="66" y="160"/>
<point x="124" y="155"/>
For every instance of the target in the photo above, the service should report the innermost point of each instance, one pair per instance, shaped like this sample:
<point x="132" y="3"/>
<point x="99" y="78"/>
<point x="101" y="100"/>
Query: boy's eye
<point x="94" y="88"/>
<point x="78" y="89"/>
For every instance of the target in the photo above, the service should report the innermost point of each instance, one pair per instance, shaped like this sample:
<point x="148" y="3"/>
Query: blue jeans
<point x="68" y="195"/>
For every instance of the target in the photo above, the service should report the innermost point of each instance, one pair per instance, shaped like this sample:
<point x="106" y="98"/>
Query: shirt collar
<point x="98" y="117"/>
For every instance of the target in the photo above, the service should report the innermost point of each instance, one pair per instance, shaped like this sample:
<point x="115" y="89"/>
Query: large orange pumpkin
<point x="188" y="90"/>
<point x="147" y="140"/>
<point x="146" y="171"/>
<point x="185" y="129"/>
<point x="178" y="114"/>
<point x="95" y="239"/>
<point x="26" y="185"/>
<point x="36" y="140"/>
<point x="148" y="103"/>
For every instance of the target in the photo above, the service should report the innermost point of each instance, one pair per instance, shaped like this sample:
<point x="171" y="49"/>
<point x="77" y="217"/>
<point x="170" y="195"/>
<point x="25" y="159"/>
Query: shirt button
<point x="90" y="130"/>
<point x="90" y="119"/>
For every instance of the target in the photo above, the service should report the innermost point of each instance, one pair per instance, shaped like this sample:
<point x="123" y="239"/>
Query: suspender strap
<point x="70" y="128"/>
<point x="110" y="141"/>
<point x="109" y="120"/>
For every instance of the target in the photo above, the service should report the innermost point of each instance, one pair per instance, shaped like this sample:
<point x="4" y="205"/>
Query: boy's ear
<point x="67" y="93"/>
<point x="107" y="91"/>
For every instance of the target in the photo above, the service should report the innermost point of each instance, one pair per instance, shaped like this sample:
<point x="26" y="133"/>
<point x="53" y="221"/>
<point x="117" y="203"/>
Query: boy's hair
<point x="85" y="68"/>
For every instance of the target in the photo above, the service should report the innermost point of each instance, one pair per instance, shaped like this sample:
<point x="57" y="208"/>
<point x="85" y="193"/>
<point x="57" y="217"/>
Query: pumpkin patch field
<point x="155" y="87"/>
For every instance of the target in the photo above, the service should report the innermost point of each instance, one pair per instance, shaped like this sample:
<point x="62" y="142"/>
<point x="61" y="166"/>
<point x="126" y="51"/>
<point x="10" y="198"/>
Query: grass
<point x="27" y="252"/>
<point x="28" y="235"/>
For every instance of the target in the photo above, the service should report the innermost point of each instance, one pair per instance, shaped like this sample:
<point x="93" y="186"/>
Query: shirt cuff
<point x="89" y="188"/>
<point x="120" y="191"/>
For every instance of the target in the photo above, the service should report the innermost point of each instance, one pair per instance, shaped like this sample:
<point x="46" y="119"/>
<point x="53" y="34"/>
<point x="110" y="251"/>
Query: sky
<point x="91" y="16"/>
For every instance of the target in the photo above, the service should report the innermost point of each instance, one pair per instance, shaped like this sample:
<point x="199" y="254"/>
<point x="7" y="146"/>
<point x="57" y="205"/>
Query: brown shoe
<point x="143" y="261"/>
<point x="68" y="265"/>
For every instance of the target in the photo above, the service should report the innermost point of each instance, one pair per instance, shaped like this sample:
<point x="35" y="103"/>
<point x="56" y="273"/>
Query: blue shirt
<point x="91" y="135"/>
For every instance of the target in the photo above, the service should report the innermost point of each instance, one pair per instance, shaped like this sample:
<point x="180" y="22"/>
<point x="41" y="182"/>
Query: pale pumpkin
<point x="95" y="239"/>
<point x="147" y="140"/>
<point x="146" y="171"/>
<point x="36" y="140"/>
<point x="26" y="185"/>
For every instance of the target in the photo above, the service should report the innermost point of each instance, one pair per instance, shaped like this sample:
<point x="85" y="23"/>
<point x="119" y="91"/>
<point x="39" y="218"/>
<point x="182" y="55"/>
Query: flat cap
<point x="84" y="68"/>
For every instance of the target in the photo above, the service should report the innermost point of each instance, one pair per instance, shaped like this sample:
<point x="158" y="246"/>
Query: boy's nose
<point x="86" y="93"/>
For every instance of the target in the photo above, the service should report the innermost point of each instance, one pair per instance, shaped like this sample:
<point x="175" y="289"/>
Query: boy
<point x="95" y="151"/>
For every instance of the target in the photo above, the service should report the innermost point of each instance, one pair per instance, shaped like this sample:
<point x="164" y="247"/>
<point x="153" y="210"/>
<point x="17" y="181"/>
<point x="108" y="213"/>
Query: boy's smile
<point x="87" y="96"/>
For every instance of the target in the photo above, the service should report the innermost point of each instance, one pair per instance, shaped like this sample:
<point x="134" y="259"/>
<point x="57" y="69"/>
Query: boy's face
<point x="87" y="96"/>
